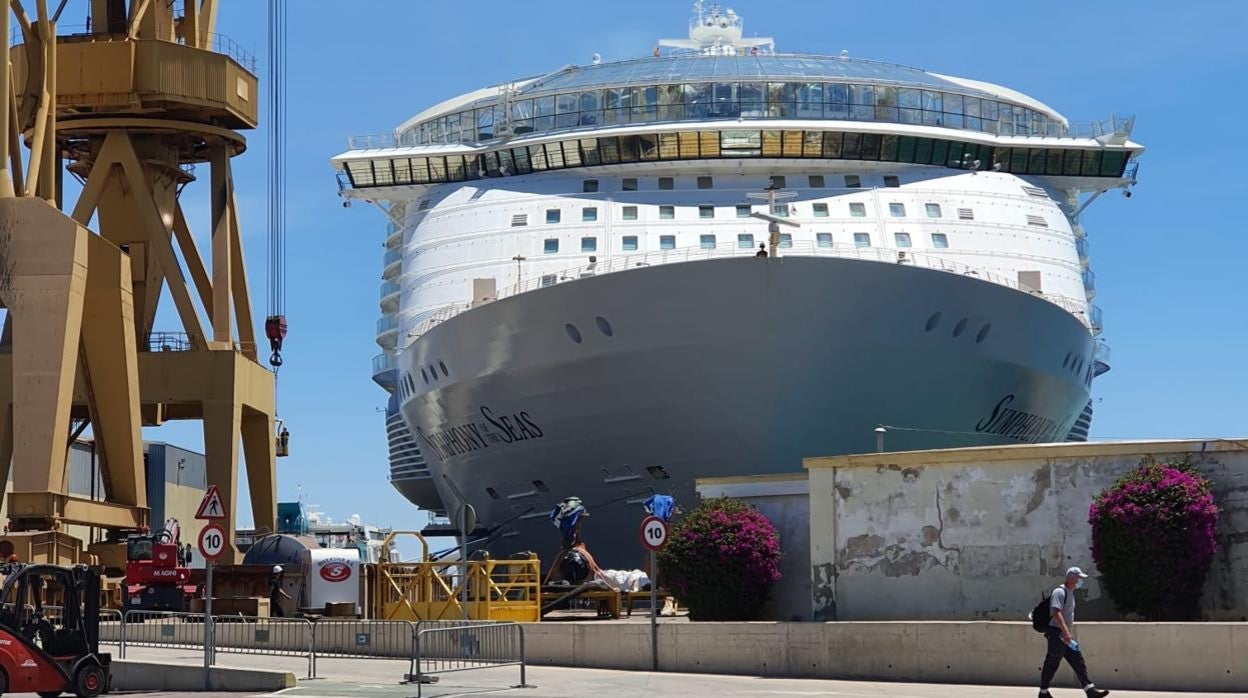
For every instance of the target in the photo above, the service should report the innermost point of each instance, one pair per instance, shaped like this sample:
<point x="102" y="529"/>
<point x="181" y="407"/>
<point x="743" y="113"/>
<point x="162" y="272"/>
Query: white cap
<point x="1076" y="572"/>
<point x="278" y="568"/>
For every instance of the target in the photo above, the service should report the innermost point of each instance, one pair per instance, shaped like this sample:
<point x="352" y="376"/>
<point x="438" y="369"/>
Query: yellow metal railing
<point x="432" y="589"/>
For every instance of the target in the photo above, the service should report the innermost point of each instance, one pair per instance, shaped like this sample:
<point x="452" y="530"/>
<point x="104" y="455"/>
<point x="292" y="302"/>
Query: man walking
<point x="276" y="593"/>
<point x="1061" y="639"/>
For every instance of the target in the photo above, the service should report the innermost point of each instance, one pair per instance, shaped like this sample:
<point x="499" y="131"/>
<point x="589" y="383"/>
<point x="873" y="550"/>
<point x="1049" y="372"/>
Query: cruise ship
<point x="611" y="279"/>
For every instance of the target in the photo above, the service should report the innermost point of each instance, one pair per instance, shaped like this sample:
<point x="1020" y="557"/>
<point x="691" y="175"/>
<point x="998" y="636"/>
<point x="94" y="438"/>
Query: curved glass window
<point x="737" y="143"/>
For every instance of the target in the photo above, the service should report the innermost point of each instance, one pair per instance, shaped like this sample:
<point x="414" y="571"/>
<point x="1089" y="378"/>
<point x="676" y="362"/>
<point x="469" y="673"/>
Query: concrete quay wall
<point x="1134" y="656"/>
<point x="1140" y="656"/>
<point x="980" y="533"/>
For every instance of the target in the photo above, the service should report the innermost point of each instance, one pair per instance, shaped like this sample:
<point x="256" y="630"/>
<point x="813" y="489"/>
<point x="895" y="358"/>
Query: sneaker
<point x="1095" y="692"/>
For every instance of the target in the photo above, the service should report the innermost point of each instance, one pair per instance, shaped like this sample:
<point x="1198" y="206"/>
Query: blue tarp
<point x="565" y="516"/>
<point x="660" y="505"/>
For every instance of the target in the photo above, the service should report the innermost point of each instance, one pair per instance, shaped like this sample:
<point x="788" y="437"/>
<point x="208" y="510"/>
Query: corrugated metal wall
<point x="176" y="480"/>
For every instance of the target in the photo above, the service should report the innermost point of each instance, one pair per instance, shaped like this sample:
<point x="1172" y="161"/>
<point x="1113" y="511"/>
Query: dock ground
<point x="348" y="678"/>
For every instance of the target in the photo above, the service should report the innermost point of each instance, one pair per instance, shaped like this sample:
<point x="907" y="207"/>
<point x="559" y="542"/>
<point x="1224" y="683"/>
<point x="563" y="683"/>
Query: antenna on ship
<point x="771" y="195"/>
<point x="716" y="32"/>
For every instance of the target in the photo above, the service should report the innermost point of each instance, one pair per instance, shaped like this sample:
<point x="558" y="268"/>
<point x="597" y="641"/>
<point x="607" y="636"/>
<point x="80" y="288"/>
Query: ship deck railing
<point x="1113" y="125"/>
<point x="803" y="248"/>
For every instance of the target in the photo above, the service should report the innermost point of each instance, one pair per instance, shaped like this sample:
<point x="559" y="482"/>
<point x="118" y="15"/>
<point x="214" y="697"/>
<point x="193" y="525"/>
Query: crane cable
<point x="275" y="323"/>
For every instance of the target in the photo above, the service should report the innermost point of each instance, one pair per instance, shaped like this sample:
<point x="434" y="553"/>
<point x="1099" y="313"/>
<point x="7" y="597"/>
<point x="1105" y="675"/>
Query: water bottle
<point x="1074" y="645"/>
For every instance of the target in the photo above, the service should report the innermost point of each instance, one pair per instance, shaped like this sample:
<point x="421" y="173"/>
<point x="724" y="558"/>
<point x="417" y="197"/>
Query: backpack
<point x="1040" y="614"/>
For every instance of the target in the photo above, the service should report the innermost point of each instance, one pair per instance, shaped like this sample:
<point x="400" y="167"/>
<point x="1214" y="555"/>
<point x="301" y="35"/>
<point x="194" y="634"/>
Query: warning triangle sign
<point x="212" y="506"/>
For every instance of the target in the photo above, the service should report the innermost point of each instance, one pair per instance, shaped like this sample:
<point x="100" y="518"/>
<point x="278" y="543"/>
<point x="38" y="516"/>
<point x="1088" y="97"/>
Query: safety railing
<point x="804" y="248"/>
<point x="110" y="626"/>
<point x="442" y="647"/>
<point x="224" y="45"/>
<point x="387" y="323"/>
<point x="232" y="634"/>
<point x="432" y="590"/>
<point x="265" y="636"/>
<point x="168" y="341"/>
<point x="388" y="289"/>
<point x="383" y="362"/>
<point x="217" y="43"/>
<point x="362" y="639"/>
<point x="160" y="629"/>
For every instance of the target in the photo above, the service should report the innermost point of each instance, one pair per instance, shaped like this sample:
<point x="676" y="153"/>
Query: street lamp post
<point x="771" y="195"/>
<point x="518" y="259"/>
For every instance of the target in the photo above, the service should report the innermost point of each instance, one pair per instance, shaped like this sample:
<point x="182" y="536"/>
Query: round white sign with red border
<point x="653" y="533"/>
<point x="212" y="541"/>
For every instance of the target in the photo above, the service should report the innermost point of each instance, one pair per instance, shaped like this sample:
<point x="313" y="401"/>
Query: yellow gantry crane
<point x="141" y="104"/>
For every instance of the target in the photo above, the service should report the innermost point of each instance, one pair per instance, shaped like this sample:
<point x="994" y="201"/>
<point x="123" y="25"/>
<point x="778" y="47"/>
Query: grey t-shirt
<point x="1066" y="602"/>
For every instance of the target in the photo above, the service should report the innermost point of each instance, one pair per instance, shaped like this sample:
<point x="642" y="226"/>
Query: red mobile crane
<point x="157" y="572"/>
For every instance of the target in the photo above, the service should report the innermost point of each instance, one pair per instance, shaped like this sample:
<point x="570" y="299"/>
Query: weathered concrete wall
<point x="784" y="500"/>
<point x="980" y="533"/>
<point x="1132" y="656"/>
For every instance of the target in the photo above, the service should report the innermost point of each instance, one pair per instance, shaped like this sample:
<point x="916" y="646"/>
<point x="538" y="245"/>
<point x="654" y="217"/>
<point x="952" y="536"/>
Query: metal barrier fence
<point x="232" y="634"/>
<point x="362" y="639"/>
<point x="441" y="647"/>
<point x="272" y="636"/>
<point x="164" y="629"/>
<point x="431" y="647"/>
<point x="110" y="627"/>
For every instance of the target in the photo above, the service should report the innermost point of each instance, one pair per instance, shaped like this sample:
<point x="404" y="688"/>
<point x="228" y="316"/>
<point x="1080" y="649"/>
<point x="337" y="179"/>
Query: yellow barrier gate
<point x="507" y="590"/>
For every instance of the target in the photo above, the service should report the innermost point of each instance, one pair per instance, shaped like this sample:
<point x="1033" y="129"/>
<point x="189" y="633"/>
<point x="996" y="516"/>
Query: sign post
<point x="211" y="545"/>
<point x="653" y="538"/>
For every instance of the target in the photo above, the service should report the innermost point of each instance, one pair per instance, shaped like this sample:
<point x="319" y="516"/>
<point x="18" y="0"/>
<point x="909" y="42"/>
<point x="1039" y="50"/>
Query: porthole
<point x="442" y="366"/>
<point x="604" y="326"/>
<point x="573" y="333"/>
<point x="959" y="328"/>
<point x="433" y="372"/>
<point x="424" y="375"/>
<point x="983" y="333"/>
<point x="1066" y="361"/>
<point x="492" y="492"/>
<point x="932" y="322"/>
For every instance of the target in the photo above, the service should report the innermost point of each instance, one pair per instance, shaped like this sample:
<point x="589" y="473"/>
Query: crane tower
<point x="144" y="102"/>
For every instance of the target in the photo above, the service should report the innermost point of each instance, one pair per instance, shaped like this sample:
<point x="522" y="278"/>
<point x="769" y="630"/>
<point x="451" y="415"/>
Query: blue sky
<point x="1168" y="261"/>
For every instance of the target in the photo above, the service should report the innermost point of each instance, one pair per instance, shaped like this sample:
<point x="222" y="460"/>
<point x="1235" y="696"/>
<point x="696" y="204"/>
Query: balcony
<point x="1095" y="320"/>
<point x="391" y="264"/>
<point x="1100" y="358"/>
<point x="387" y="331"/>
<point x="385" y="368"/>
<point x="1089" y="283"/>
<point x="1082" y="246"/>
<point x="389" y="294"/>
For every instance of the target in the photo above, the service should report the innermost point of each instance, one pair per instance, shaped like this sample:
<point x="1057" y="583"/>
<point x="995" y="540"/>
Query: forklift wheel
<point x="50" y="694"/>
<point x="90" y="681"/>
<point x="4" y="682"/>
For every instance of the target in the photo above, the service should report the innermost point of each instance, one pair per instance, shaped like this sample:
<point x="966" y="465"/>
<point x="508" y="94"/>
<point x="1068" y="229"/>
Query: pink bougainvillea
<point x="721" y="561"/>
<point x="1154" y="532"/>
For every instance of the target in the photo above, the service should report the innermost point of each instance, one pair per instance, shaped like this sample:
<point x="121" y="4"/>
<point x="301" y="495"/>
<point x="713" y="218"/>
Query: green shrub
<point x="721" y="561"/>
<point x="1153" y="539"/>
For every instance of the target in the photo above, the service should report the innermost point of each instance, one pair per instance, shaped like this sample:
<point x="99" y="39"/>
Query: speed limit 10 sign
<point x="212" y="541"/>
<point x="653" y="533"/>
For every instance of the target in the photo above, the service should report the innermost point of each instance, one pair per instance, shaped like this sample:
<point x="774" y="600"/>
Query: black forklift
<point x="50" y="631"/>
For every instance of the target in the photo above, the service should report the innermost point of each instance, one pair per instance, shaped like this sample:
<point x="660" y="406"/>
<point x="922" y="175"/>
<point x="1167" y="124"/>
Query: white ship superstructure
<point x="573" y="304"/>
